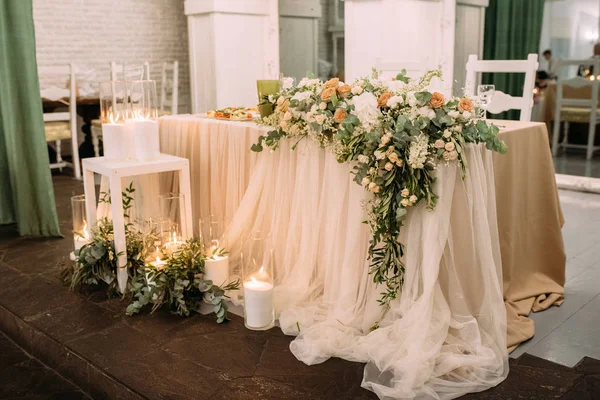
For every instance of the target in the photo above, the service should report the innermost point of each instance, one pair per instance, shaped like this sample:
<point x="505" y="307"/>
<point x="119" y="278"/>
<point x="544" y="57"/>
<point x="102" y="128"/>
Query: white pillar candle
<point x="145" y="137"/>
<point x="258" y="304"/>
<point x="80" y="241"/>
<point x="216" y="269"/>
<point x="115" y="142"/>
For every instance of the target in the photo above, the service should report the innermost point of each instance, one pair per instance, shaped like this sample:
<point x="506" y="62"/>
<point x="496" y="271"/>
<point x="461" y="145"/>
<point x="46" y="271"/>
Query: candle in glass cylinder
<point x="258" y="304"/>
<point x="216" y="268"/>
<point x="142" y="119"/>
<point x="81" y="238"/>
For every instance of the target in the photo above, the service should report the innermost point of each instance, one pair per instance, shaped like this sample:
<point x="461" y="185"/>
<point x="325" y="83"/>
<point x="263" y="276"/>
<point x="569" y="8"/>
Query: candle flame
<point x="253" y="280"/>
<point x="262" y="269"/>
<point x="85" y="230"/>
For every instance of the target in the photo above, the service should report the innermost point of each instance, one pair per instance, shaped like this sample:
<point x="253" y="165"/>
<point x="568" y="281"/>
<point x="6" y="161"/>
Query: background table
<point x="528" y="210"/>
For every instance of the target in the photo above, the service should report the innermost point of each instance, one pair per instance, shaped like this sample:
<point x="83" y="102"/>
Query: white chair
<point x="119" y="72"/>
<point x="169" y="88"/>
<point x="581" y="110"/>
<point x="501" y="101"/>
<point x="59" y="126"/>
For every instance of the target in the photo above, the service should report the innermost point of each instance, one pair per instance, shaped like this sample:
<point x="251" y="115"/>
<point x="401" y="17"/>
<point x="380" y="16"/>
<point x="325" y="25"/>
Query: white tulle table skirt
<point x="443" y="337"/>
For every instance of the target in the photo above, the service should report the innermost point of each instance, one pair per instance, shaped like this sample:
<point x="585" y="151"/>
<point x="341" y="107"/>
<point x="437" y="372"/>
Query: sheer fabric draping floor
<point x="445" y="336"/>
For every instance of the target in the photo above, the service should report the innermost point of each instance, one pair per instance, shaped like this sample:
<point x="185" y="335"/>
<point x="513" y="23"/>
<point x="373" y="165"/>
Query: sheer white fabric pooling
<point x="446" y="334"/>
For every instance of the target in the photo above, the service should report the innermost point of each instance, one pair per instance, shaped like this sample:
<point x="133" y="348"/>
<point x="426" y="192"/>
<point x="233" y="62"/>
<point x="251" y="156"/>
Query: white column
<point x="418" y="34"/>
<point x="232" y="44"/>
<point x="299" y="36"/>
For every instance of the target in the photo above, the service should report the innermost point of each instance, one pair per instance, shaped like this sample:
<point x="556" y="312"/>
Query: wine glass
<point x="485" y="93"/>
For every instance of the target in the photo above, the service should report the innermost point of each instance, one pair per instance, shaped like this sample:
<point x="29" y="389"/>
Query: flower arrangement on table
<point x="396" y="133"/>
<point x="173" y="279"/>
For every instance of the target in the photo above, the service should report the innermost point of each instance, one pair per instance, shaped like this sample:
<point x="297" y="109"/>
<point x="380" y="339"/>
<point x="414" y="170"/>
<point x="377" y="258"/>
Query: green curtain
<point x="26" y="192"/>
<point x="512" y="30"/>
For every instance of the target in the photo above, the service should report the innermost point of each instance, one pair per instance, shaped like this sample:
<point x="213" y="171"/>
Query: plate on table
<point x="234" y="114"/>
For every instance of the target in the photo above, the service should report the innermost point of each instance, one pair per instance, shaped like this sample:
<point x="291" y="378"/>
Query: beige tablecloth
<point x="529" y="225"/>
<point x="528" y="209"/>
<point x="549" y="105"/>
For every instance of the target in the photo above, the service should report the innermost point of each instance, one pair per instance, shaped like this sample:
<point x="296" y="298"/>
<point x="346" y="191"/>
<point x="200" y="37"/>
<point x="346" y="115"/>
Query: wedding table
<point x="450" y="328"/>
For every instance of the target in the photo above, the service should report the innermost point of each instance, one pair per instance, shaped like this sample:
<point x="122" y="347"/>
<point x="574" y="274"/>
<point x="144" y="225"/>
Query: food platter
<point x="234" y="114"/>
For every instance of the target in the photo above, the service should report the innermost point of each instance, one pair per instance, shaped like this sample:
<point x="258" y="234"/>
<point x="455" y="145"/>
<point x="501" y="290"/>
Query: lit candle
<point x="145" y="136"/>
<point x="216" y="267"/>
<point x="258" y="304"/>
<point x="81" y="238"/>
<point x="117" y="141"/>
<point x="173" y="244"/>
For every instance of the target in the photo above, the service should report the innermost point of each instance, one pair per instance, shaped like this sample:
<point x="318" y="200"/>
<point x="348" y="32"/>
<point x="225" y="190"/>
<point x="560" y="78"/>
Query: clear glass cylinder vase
<point x="258" y="281"/>
<point x="173" y="220"/>
<point x="117" y="143"/>
<point x="216" y="265"/>
<point x="81" y="230"/>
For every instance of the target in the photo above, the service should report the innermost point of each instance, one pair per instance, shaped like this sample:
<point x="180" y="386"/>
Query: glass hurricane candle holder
<point x="117" y="142"/>
<point x="258" y="283"/>
<point x="216" y="266"/>
<point x="142" y="119"/>
<point x="81" y="232"/>
<point x="173" y="220"/>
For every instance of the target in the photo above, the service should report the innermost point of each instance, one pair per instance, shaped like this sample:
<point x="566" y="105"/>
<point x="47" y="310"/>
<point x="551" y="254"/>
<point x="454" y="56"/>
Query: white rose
<point x="439" y="144"/>
<point x="466" y="115"/>
<point x="411" y="99"/>
<point x="453" y="114"/>
<point x="320" y="119"/>
<point x="323" y="106"/>
<point x="301" y="96"/>
<point x="363" y="159"/>
<point x="449" y="146"/>
<point x="385" y="140"/>
<point x="393" y="157"/>
<point x="287" y="116"/>
<point x="372" y="185"/>
<point x="356" y="90"/>
<point x="405" y="192"/>
<point x="389" y="166"/>
<point x="447" y="133"/>
<point x="405" y="203"/>
<point x="427" y="111"/>
<point x="413" y="199"/>
<point x="458" y="128"/>
<point x="394" y="101"/>
<point x="365" y="181"/>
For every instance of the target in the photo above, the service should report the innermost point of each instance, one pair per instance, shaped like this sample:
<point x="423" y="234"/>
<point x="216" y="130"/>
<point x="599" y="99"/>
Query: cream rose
<point x="323" y="106"/>
<point x="449" y="146"/>
<point x="453" y="155"/>
<point x="284" y="106"/>
<point x="399" y="163"/>
<point x="437" y="100"/>
<point x="446" y="156"/>
<point x="413" y="199"/>
<point x="320" y="119"/>
<point x="332" y="83"/>
<point x="385" y="140"/>
<point x="365" y="181"/>
<point x="356" y="90"/>
<point x="447" y="133"/>
<point x="393" y="157"/>
<point x="465" y="104"/>
<point x="383" y="99"/>
<point x="389" y="166"/>
<point x="363" y="159"/>
<point x="439" y="144"/>
<point x="283" y="124"/>
<point x="340" y="115"/>
<point x="405" y="203"/>
<point x="327" y="93"/>
<point x="405" y="192"/>
<point x="344" y="90"/>
<point x="453" y="114"/>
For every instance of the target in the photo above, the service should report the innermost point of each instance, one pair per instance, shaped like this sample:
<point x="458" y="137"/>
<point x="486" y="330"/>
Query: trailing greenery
<point x="179" y="285"/>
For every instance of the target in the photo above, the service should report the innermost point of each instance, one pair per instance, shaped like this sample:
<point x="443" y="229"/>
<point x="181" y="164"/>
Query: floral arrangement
<point x="178" y="284"/>
<point x="396" y="133"/>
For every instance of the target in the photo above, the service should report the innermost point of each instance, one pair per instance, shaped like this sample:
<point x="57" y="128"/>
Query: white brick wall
<point x="92" y="33"/>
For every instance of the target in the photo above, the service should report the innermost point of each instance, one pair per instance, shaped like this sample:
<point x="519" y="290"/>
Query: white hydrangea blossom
<point x="395" y="101"/>
<point x="365" y="108"/>
<point x="301" y="96"/>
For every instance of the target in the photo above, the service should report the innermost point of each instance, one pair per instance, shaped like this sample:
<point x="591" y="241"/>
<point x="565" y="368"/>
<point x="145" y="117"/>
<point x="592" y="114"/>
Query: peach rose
<point x="284" y="106"/>
<point x="465" y="105"/>
<point x="382" y="100"/>
<point x="344" y="90"/>
<point x="340" y="115"/>
<point x="332" y="83"/>
<point x="327" y="93"/>
<point x="437" y="100"/>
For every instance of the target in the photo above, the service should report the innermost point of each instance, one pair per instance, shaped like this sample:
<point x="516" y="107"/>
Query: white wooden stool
<point x="115" y="170"/>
